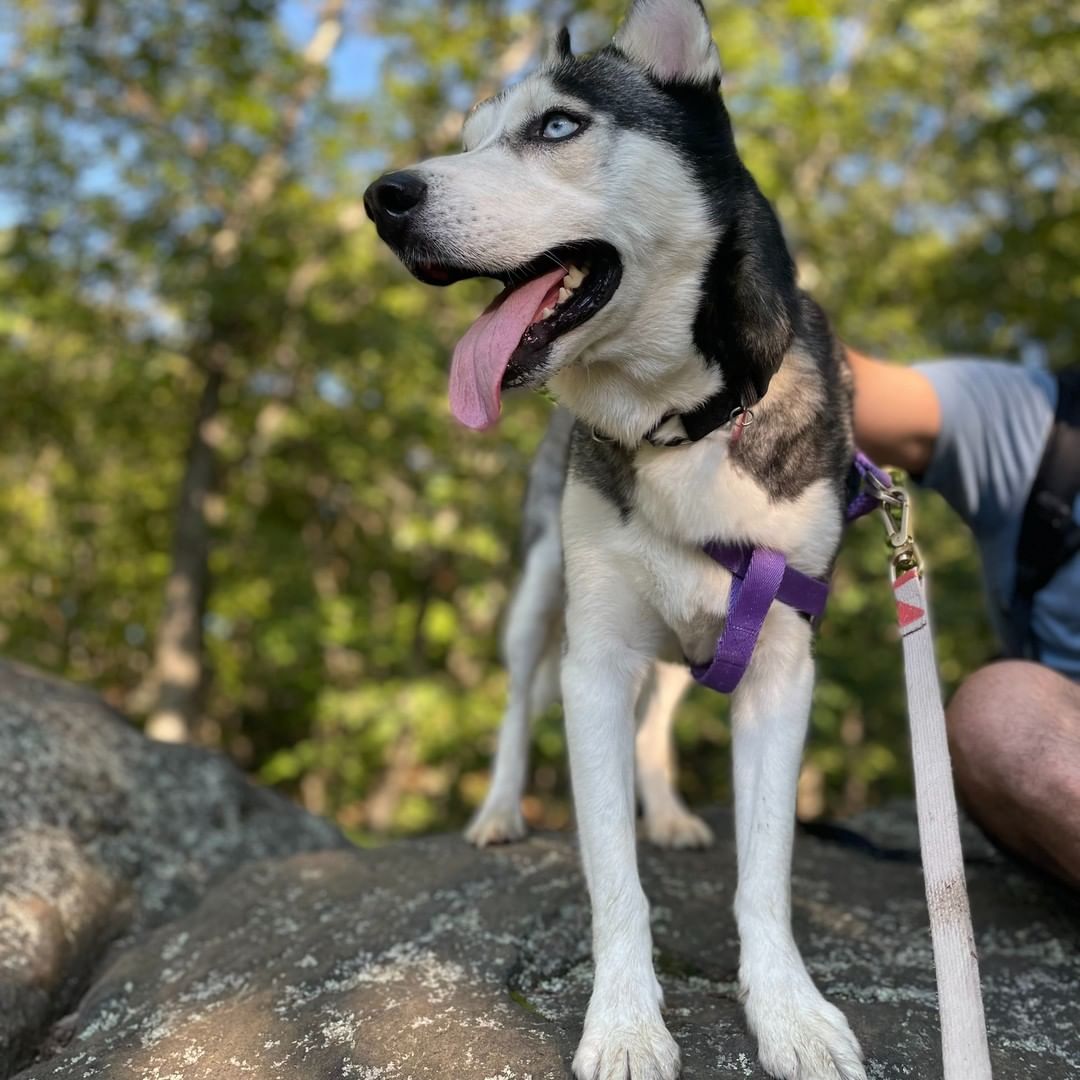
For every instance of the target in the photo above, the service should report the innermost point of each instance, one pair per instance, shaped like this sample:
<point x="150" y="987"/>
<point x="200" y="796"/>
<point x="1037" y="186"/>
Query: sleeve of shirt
<point x="995" y="419"/>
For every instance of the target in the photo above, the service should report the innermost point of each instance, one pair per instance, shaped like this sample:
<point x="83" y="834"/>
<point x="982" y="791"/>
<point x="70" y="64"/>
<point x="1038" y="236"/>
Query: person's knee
<point x="1014" y="732"/>
<point x="1003" y="702"/>
<point x="986" y="715"/>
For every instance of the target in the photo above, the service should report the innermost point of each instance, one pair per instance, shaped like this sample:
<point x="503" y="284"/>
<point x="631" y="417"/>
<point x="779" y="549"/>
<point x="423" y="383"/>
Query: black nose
<point x="393" y="198"/>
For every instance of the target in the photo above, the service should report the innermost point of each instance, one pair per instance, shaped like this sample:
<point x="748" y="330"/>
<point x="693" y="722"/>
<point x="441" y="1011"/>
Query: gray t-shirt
<point x="995" y="419"/>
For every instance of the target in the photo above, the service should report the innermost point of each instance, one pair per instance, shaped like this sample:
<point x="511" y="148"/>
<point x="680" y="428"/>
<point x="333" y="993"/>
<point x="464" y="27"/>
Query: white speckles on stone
<point x="214" y="987"/>
<point x="351" y="1071"/>
<point x="174" y="947"/>
<point x="739" y="1064"/>
<point x="159" y="1025"/>
<point x="343" y="1029"/>
<point x="105" y="1021"/>
<point x="401" y="962"/>
<point x="192" y="1054"/>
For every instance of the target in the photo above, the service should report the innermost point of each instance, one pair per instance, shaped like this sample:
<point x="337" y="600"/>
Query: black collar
<point x="713" y="413"/>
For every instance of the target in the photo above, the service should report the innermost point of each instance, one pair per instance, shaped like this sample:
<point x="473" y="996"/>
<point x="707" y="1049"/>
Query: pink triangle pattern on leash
<point x="908" y="613"/>
<point x="910" y="603"/>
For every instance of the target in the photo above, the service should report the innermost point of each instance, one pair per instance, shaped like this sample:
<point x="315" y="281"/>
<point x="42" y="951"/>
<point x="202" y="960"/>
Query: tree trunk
<point x="179" y="665"/>
<point x="179" y="676"/>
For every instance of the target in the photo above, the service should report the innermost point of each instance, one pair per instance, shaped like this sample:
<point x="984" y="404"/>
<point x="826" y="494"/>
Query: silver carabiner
<point x="896" y="513"/>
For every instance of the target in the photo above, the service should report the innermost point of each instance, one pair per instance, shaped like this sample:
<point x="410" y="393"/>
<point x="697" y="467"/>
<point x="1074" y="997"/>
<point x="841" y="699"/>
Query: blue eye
<point x="558" y="126"/>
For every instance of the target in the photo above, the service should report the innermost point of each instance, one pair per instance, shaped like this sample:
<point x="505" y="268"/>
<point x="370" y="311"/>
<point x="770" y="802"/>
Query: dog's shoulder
<point x="803" y="427"/>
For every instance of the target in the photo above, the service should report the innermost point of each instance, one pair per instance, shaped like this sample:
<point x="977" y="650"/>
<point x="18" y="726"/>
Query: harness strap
<point x="1049" y="535"/>
<point x="752" y="594"/>
<point x="797" y="590"/>
<point x="762" y="576"/>
<point x="862" y="496"/>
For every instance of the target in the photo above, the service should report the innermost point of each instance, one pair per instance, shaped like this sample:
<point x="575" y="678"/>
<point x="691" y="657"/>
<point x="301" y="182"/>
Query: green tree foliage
<point x="181" y="205"/>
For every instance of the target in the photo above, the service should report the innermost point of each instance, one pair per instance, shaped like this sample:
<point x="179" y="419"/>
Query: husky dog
<point x="648" y="285"/>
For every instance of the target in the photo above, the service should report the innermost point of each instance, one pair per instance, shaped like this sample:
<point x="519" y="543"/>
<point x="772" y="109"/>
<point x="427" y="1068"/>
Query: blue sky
<point x="354" y="68"/>
<point x="354" y="72"/>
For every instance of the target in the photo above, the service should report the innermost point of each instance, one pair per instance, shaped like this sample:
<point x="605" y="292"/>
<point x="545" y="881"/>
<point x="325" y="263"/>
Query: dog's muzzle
<point x="392" y="202"/>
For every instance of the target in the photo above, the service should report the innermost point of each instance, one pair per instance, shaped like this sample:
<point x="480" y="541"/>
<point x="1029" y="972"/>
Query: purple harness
<point x="762" y="576"/>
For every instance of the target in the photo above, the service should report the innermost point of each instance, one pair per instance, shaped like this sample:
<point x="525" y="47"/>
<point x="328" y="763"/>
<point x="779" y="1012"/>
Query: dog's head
<point x="606" y="194"/>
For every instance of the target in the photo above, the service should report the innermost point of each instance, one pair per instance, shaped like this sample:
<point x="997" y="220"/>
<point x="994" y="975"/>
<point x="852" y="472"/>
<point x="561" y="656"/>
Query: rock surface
<point x="429" y="959"/>
<point x="104" y="835"/>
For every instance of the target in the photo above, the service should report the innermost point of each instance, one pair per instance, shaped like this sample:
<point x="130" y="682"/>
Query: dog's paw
<point x="675" y="827"/>
<point x="800" y="1035"/>
<point x="496" y="825"/>
<point x="625" y="1049"/>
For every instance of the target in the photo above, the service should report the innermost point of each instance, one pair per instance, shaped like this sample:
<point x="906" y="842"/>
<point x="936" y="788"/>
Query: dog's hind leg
<point x="668" y="823"/>
<point x="532" y="631"/>
<point x="800" y="1035"/>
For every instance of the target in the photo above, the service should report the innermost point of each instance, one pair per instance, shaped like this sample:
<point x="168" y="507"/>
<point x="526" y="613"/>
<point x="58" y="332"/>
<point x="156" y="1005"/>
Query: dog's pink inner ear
<point x="671" y="38"/>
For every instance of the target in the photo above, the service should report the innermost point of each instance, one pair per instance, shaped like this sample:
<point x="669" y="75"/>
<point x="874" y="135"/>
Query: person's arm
<point x="897" y="413"/>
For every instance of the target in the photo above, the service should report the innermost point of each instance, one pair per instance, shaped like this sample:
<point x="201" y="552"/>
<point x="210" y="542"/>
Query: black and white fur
<point x="706" y="303"/>
<point x="532" y="647"/>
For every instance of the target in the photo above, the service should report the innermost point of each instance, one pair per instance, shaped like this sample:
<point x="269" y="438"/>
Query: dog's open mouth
<point x="507" y="346"/>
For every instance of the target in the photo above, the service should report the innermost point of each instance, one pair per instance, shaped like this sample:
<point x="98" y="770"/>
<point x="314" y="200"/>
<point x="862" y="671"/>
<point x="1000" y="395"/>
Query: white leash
<point x="964" y="1049"/>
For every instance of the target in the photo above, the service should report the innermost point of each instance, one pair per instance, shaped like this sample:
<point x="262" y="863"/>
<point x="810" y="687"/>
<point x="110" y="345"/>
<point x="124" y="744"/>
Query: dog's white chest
<point x="682" y="499"/>
<point x="697" y="493"/>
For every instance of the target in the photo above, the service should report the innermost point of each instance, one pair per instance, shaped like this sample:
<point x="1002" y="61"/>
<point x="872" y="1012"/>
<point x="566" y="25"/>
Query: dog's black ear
<point x="750" y="301"/>
<point x="558" y="48"/>
<point x="671" y="39"/>
<point x="563" y="49"/>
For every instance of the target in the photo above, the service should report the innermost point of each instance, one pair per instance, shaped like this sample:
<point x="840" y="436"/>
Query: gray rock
<point x="429" y="959"/>
<point x="104" y="835"/>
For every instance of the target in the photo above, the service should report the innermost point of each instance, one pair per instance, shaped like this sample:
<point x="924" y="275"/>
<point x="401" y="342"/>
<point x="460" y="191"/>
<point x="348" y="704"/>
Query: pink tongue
<point x="481" y="356"/>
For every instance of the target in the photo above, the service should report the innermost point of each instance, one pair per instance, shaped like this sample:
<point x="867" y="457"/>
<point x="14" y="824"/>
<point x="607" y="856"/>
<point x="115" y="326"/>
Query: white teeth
<point x="574" y="277"/>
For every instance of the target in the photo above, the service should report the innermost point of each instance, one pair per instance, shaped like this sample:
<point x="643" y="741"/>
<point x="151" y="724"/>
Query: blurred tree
<point x="178" y="672"/>
<point x="205" y="351"/>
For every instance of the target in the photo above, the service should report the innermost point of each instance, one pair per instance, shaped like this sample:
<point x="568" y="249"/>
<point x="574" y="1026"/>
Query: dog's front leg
<point x="624" y="1036"/>
<point x="800" y="1035"/>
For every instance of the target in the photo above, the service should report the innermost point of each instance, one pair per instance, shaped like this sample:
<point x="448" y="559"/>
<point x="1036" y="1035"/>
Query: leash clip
<point x="895" y="511"/>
